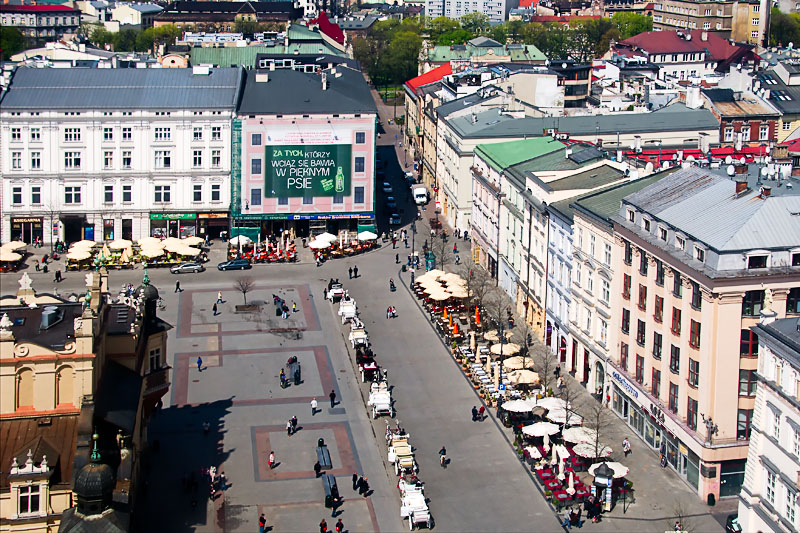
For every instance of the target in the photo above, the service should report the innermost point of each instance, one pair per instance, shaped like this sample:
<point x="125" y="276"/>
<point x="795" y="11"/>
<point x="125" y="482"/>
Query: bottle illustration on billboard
<point x="339" y="187"/>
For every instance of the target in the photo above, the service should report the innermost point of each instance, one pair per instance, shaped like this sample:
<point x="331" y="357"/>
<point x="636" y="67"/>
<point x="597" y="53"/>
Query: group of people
<point x="391" y="312"/>
<point x="323" y="526"/>
<point x="478" y="414"/>
<point x="360" y="484"/>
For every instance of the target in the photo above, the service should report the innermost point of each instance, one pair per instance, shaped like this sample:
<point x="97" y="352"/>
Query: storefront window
<point x="108" y="230"/>
<point x="744" y="421"/>
<point x="693" y="469"/>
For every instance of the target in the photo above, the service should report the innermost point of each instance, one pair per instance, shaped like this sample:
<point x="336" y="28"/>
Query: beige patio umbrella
<point x="150" y="242"/>
<point x="173" y="246"/>
<point x="7" y="256"/>
<point x="451" y="277"/>
<point x="517" y="362"/>
<point x="440" y="296"/>
<point x="79" y="255"/>
<point x="491" y="336"/>
<point x="188" y="251"/>
<point x="13" y="245"/>
<point x="105" y="252"/>
<point x="457" y="292"/>
<point x="83" y="244"/>
<point x="508" y="349"/>
<point x="126" y="255"/>
<point x="152" y="252"/>
<point x="192" y="240"/>
<point x="522" y="377"/>
<point x="119" y="244"/>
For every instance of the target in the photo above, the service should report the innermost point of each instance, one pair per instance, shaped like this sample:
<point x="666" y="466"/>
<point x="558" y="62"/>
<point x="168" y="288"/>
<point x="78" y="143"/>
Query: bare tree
<point x="52" y="210"/>
<point x="570" y="392"/>
<point x="479" y="283"/>
<point x="681" y="517"/>
<point x="443" y="251"/>
<point x="597" y="417"/>
<point x="244" y="285"/>
<point x="545" y="363"/>
<point x="523" y="335"/>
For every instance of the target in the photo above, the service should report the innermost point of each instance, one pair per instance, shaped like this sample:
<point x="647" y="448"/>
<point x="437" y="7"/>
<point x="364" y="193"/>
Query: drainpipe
<point x="546" y="267"/>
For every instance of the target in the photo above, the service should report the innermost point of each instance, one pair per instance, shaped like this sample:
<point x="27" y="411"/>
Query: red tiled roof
<point x="528" y="3"/>
<point x="328" y="28"/>
<point x="429" y="77"/>
<point x="562" y="18"/>
<point x="664" y="42"/>
<point x="748" y="152"/>
<point x="7" y="8"/>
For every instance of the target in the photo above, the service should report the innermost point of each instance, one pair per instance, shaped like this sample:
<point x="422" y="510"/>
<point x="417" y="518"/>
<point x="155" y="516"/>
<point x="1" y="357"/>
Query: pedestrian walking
<point x="350" y="273"/>
<point x="36" y="264"/>
<point x="389" y="312"/>
<point x="177" y="286"/>
<point x="405" y="241"/>
<point x="332" y="396"/>
<point x="317" y="469"/>
<point x="323" y="526"/>
<point x="294" y="424"/>
<point x="294" y="307"/>
<point x="219" y="297"/>
<point x="289" y="428"/>
<point x="214" y="308"/>
<point x="474" y="413"/>
<point x="394" y="243"/>
<point x="626" y="446"/>
<point x="355" y="271"/>
<point x="565" y="522"/>
<point x="313" y="406"/>
<point x="364" y="488"/>
<point x="271" y="460"/>
<point x="339" y="526"/>
<point x="397" y="259"/>
<point x="206" y="427"/>
<point x="455" y="248"/>
<point x="223" y="481"/>
<point x="355" y="481"/>
<point x="557" y="371"/>
<point x="481" y="411"/>
<point x="262" y="520"/>
<point x="199" y="364"/>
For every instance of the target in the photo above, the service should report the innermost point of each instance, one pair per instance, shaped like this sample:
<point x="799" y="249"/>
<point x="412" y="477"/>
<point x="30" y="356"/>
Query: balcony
<point x="157" y="382"/>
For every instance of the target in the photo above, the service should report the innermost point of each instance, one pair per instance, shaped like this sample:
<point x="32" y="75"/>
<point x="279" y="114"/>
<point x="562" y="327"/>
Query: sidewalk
<point x="660" y="495"/>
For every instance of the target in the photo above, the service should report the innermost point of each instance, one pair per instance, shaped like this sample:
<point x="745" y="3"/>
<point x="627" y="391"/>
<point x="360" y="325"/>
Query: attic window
<point x="631" y="215"/>
<point x="757" y="261"/>
<point x="795" y="262"/>
<point x="20" y="321"/>
<point x="646" y="225"/>
<point x="699" y="254"/>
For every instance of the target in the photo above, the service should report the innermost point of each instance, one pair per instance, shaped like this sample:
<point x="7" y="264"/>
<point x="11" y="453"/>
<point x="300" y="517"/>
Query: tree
<point x="11" y="41"/>
<point x="784" y="29"/>
<point x="244" y="285"/>
<point x="596" y="417"/>
<point x="545" y="363"/>
<point x="443" y="251"/>
<point x="247" y="27"/>
<point x="440" y="26"/>
<point x="498" y="33"/>
<point x="476" y="23"/>
<point x="479" y="284"/>
<point x="629" y="23"/>
<point x="514" y="30"/>
<point x="459" y="36"/>
<point x="401" y="62"/>
<point x="101" y="36"/>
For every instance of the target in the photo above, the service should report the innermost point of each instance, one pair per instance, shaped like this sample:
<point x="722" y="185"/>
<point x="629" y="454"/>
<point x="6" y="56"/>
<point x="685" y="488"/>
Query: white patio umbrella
<point x="540" y="429"/>
<point x="579" y="434"/>
<point x="517" y="363"/>
<point x="192" y="240"/>
<point x="330" y="237"/>
<point x="119" y="244"/>
<point x="240" y="239"/>
<point x="366" y="236"/>
<point x="571" y="484"/>
<point x="562" y="416"/>
<point x="587" y="449"/>
<point x="534" y="452"/>
<point x="318" y="245"/>
<point x="507" y="349"/>
<point x="517" y="406"/>
<point x="7" y="256"/>
<point x="79" y="255"/>
<point x="551" y="402"/>
<point x="620" y="470"/>
<point x="546" y="443"/>
<point x="13" y="245"/>
<point x="152" y="252"/>
<point x="522" y="377"/>
<point x="560" y="468"/>
<point x="151" y="242"/>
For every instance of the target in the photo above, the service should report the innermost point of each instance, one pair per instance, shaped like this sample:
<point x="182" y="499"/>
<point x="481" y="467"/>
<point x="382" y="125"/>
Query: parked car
<point x="235" y="264"/>
<point x="387" y="188"/>
<point x="394" y="219"/>
<point x="187" y="268"/>
<point x="411" y="177"/>
<point x="390" y="202"/>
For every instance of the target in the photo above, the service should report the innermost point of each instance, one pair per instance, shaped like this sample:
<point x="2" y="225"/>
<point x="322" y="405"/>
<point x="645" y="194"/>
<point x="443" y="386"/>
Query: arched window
<point x="65" y="386"/>
<point x="25" y="388"/>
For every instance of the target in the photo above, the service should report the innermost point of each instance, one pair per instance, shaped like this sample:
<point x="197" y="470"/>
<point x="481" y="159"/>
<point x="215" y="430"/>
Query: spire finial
<point x="95" y="453"/>
<point x="146" y="279"/>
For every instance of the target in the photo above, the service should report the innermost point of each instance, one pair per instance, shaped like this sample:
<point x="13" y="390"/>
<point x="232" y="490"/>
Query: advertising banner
<point x="307" y="170"/>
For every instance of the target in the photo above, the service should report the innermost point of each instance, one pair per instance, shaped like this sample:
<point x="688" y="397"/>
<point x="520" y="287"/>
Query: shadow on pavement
<point x="178" y="495"/>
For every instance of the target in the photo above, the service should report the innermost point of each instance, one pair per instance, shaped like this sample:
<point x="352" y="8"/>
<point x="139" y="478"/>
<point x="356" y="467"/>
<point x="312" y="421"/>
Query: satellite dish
<point x="728" y="160"/>
<point x="764" y="171"/>
<point x="743" y="160"/>
<point x="685" y="164"/>
<point x="690" y="158"/>
<point x="635" y="174"/>
<point x="563" y="65"/>
<point x="767" y="159"/>
<point x="648" y="167"/>
<point x="731" y="170"/>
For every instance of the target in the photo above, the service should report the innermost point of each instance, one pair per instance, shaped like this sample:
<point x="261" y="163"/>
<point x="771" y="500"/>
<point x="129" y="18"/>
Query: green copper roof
<point x="298" y="32"/>
<point x="245" y="56"/>
<point x="500" y="156"/>
<point x="526" y="52"/>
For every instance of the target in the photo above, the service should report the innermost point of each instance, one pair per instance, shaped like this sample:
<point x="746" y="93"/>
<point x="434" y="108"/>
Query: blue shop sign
<point x="625" y="384"/>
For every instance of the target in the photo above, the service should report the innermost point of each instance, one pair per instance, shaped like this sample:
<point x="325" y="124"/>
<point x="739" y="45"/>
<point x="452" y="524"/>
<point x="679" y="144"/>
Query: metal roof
<point x="500" y="156"/>
<point x="75" y="89"/>
<point x="703" y="205"/>
<point x="246" y="56"/>
<point x="293" y="92"/>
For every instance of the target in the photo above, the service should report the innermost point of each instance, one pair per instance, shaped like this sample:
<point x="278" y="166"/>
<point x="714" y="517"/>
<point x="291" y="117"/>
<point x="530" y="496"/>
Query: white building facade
<point x="138" y="152"/>
<point x="769" y="497"/>
<point x="496" y="10"/>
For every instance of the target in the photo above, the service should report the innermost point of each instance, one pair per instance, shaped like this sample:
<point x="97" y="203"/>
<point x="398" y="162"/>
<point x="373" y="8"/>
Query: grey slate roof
<point x="676" y="117"/>
<point x="292" y="92"/>
<point x="118" y="88"/>
<point x="703" y="205"/>
<point x="785" y="97"/>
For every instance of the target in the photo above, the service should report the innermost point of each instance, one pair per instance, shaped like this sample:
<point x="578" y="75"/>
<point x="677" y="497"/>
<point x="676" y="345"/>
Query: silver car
<point x="187" y="268"/>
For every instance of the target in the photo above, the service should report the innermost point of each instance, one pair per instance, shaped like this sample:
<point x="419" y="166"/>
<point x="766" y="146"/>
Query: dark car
<point x="395" y="220"/>
<point x="391" y="202"/>
<point x="235" y="264"/>
<point x="187" y="268"/>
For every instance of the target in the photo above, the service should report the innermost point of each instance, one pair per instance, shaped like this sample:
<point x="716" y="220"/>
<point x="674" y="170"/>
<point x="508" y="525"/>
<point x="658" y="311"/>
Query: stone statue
<point x="25" y="282"/>
<point x="767" y="300"/>
<point x="5" y="324"/>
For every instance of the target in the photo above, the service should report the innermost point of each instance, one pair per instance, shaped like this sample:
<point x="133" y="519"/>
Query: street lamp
<point x="500" y="367"/>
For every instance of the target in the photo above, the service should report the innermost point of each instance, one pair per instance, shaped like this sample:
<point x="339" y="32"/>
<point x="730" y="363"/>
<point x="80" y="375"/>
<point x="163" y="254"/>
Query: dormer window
<point x="699" y="254"/>
<point x="796" y="259"/>
<point x="680" y="242"/>
<point x="29" y="500"/>
<point x="662" y="234"/>
<point x="757" y="261"/>
<point x="631" y="215"/>
<point x="646" y="225"/>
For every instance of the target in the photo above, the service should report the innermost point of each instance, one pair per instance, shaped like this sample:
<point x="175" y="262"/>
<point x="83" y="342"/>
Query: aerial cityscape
<point x="325" y="265"/>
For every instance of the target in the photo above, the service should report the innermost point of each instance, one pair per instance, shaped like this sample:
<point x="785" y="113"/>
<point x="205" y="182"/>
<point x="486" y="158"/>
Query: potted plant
<point x="548" y="494"/>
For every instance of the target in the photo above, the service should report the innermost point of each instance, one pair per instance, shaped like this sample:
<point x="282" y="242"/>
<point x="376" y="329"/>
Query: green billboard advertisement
<point x="307" y="170"/>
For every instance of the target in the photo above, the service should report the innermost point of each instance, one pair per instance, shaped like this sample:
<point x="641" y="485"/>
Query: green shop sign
<point x="173" y="216"/>
<point x="307" y="170"/>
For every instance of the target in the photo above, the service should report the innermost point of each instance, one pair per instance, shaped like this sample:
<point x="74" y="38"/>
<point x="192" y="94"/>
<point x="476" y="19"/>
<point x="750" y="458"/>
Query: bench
<point x="324" y="458"/>
<point x="330" y="488"/>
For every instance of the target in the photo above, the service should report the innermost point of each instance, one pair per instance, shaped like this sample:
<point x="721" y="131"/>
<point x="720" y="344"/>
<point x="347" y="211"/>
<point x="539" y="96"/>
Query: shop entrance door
<point x="73" y="229"/>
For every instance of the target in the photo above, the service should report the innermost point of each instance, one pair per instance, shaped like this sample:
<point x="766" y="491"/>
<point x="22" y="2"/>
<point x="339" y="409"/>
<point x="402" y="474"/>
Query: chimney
<point x="741" y="185"/>
<point x="766" y="191"/>
<point x="704" y="36"/>
<point x="324" y="81"/>
<point x="272" y="66"/>
<point x="262" y="77"/>
<point x="741" y="169"/>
